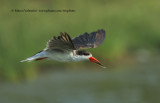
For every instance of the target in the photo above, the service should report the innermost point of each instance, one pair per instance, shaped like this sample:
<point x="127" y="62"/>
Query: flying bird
<point x="65" y="49"/>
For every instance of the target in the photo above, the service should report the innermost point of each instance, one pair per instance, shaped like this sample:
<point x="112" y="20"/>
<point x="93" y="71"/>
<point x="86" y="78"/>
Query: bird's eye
<point x="85" y="53"/>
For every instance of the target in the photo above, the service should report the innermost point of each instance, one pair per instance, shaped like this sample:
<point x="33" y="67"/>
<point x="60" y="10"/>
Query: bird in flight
<point x="65" y="49"/>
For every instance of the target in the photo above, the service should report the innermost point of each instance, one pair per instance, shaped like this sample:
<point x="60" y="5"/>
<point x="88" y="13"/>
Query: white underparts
<point x="61" y="57"/>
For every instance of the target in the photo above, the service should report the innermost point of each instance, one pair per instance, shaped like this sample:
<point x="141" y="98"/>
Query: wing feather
<point x="91" y="40"/>
<point x="62" y="42"/>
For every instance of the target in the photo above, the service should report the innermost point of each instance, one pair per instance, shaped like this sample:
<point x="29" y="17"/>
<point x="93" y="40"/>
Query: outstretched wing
<point x="62" y="42"/>
<point x="91" y="40"/>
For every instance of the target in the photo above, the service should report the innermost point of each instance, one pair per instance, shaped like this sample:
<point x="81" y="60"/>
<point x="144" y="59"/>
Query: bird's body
<point x="63" y="49"/>
<point x="58" y="56"/>
<point x="67" y="57"/>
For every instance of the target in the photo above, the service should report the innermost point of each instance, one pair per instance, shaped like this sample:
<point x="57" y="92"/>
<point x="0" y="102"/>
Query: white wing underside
<point x="36" y="56"/>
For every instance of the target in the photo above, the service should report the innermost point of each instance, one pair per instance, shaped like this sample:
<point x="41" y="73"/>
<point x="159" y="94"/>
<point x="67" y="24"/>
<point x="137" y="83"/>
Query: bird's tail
<point x="39" y="56"/>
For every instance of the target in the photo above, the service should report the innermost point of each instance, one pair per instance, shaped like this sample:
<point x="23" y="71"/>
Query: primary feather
<point x="92" y="40"/>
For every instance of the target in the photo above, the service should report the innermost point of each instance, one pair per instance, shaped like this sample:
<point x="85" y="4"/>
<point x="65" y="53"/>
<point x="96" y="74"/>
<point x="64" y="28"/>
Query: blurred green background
<point x="132" y="37"/>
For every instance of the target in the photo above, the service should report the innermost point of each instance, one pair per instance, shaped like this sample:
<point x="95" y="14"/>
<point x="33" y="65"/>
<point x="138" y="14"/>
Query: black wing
<point x="62" y="42"/>
<point x="91" y="40"/>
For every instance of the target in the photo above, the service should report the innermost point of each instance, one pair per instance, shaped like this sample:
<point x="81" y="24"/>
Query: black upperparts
<point x="89" y="40"/>
<point x="82" y="52"/>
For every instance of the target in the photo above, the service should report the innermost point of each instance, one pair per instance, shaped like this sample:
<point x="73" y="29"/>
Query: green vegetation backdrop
<point x="132" y="32"/>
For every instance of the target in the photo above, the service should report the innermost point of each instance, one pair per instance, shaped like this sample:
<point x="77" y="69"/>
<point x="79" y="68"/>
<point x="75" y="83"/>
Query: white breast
<point x="59" y="57"/>
<point x="66" y="57"/>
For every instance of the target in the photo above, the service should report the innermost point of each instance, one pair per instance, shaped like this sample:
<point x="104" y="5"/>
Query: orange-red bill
<point x="94" y="60"/>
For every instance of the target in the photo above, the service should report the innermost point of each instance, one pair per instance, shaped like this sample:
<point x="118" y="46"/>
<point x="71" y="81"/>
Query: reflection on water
<point x="126" y="86"/>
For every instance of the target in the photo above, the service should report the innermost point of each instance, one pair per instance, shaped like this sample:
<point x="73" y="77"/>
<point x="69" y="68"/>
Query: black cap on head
<point x="83" y="52"/>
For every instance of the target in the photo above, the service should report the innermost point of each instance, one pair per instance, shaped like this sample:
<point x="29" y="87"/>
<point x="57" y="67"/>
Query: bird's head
<point x="87" y="55"/>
